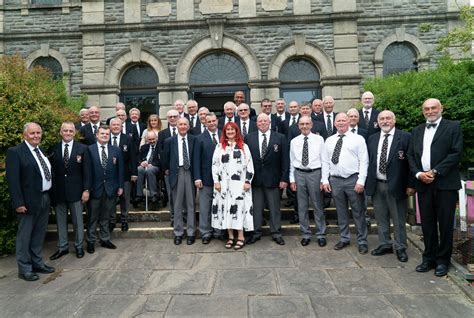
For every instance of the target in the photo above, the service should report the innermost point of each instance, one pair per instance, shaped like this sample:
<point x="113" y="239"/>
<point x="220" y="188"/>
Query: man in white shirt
<point x="305" y="176"/>
<point x="246" y="124"/>
<point x="368" y="114"/>
<point x="345" y="163"/>
<point x="329" y="115"/>
<point x="193" y="113"/>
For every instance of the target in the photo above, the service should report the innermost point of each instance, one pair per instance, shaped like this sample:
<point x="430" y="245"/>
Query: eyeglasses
<point x="173" y="116"/>
<point x="243" y="110"/>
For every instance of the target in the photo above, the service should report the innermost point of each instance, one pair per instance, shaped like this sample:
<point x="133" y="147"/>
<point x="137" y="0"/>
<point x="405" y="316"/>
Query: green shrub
<point x="451" y="83"/>
<point x="27" y="96"/>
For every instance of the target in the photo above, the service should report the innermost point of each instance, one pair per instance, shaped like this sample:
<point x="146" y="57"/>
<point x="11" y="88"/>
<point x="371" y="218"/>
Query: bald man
<point x="88" y="131"/>
<point x="368" y="114"/>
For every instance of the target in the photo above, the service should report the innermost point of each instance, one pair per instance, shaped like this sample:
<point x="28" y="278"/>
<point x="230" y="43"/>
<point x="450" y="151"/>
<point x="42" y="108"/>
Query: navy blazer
<point x="324" y="121"/>
<point x="446" y="153"/>
<point x="87" y="135"/>
<point x="397" y="164"/>
<point x="223" y="120"/>
<point x="129" y="154"/>
<point x="373" y="123"/>
<point x="70" y="182"/>
<point x="318" y="117"/>
<point x="252" y="126"/>
<point x="284" y="126"/>
<point x="171" y="159"/>
<point x="112" y="179"/>
<point x="155" y="161"/>
<point x="274" y="167"/>
<point x="25" y="183"/>
<point x="202" y="157"/>
<point x="196" y="131"/>
<point x="318" y="129"/>
<point x="362" y="132"/>
<point x="278" y="121"/>
<point x="162" y="136"/>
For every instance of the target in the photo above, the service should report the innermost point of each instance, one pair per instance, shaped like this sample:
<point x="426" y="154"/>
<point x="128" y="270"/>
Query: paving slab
<point x="427" y="283"/>
<point x="352" y="306"/>
<point x="305" y="282"/>
<point x="157" y="261"/>
<point x="10" y="284"/>
<point x="112" y="306"/>
<point x="280" y="306"/>
<point x="432" y="306"/>
<point x="221" y="306"/>
<point x="180" y="282"/>
<point x="219" y="260"/>
<point x="270" y="259"/>
<point x="323" y="259"/>
<point x="157" y="303"/>
<point x="67" y="281"/>
<point x="115" y="282"/>
<point x="387" y="260"/>
<point x="266" y="243"/>
<point x="99" y="260"/>
<point x="246" y="282"/>
<point x="35" y="305"/>
<point x="359" y="281"/>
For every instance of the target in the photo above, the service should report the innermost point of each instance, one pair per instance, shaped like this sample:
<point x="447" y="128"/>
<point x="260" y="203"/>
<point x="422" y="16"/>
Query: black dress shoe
<point x="58" y="254"/>
<point x="45" y="269"/>
<point x="305" y="241"/>
<point x="252" y="239"/>
<point x="191" y="240"/>
<point x="402" y="255"/>
<point x="178" y="240"/>
<point x="79" y="252"/>
<point x="124" y="226"/>
<point x="441" y="270"/>
<point x="279" y="240"/>
<point x="363" y="249"/>
<point x="108" y="244"/>
<point x="206" y="240"/>
<point x="322" y="242"/>
<point x="340" y="245"/>
<point x="90" y="248"/>
<point x="28" y="276"/>
<point x="382" y="250"/>
<point x="424" y="267"/>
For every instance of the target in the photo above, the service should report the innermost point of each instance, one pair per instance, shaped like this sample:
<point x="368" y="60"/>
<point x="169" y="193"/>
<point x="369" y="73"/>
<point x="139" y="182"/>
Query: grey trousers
<point x="30" y="236"/>
<point x="343" y="191"/>
<point x="272" y="197"/>
<point x="183" y="197"/>
<point x="124" y="203"/>
<point x="386" y="207"/>
<point x="205" y="206"/>
<point x="100" y="211"/>
<point x="170" y="197"/>
<point x="307" y="184"/>
<point x="75" y="209"/>
<point x="150" y="174"/>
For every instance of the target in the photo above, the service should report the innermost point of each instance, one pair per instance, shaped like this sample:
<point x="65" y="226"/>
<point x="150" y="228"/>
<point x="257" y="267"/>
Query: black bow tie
<point x="428" y="125"/>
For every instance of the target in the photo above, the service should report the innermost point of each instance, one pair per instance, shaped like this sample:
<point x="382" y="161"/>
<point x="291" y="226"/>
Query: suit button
<point x="65" y="175"/>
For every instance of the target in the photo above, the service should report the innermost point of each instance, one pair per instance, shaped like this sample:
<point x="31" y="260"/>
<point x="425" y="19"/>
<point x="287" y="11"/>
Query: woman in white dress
<point x="232" y="171"/>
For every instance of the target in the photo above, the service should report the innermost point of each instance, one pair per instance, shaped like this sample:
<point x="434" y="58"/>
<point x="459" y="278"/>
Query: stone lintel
<point x="345" y="41"/>
<point x="247" y="8"/>
<point x="136" y="48"/>
<point x="132" y="11"/>
<point x="216" y="32"/>
<point x="344" y="5"/>
<point x="301" y="7"/>
<point x="300" y="44"/>
<point x="349" y="68"/>
<point x="161" y="9"/>
<point x="216" y="6"/>
<point x="93" y="38"/>
<point x="184" y="10"/>
<point x="274" y="5"/>
<point x="345" y="27"/>
<point x="346" y="55"/>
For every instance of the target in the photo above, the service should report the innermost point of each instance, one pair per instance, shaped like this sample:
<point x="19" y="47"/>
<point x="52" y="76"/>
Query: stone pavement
<point x="153" y="278"/>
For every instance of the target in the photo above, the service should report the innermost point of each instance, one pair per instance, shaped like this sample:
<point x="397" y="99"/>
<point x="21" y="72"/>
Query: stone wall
<point x="49" y="19"/>
<point x="400" y="7"/>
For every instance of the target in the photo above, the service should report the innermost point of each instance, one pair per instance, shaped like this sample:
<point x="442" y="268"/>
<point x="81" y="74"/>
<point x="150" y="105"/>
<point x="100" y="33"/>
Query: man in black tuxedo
<point x="178" y="165"/>
<point x="229" y="115"/>
<point x="107" y="173"/>
<point x="368" y="114"/>
<point x="317" y="110"/>
<point x="204" y="147"/>
<point x="134" y="115"/>
<point x="70" y="188"/>
<point x="149" y="167"/>
<point x="129" y="154"/>
<point x="434" y="156"/>
<point x="291" y="119"/>
<point x="28" y="174"/>
<point x="388" y="184"/>
<point x="354" y="124"/>
<point x="88" y="132"/>
<point x="328" y="117"/>
<point x="266" y="108"/>
<point x="270" y="157"/>
<point x="201" y="127"/>
<point x="84" y="115"/>
<point x="239" y="98"/>
<point x="246" y="125"/>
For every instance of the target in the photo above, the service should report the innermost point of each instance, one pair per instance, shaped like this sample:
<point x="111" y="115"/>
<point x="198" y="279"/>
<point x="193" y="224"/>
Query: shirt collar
<point x="437" y="121"/>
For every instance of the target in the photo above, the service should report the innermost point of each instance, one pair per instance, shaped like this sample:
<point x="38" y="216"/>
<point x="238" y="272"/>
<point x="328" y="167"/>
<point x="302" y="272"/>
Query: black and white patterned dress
<point x="232" y="207"/>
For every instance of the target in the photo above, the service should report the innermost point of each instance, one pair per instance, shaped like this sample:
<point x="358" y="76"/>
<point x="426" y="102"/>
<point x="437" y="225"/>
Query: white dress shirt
<point x="260" y="139"/>
<point x="356" y="130"/>
<point x="247" y="124"/>
<point x="381" y="176"/>
<point x="150" y="150"/>
<point x="353" y="158"/>
<point x="180" y="150"/>
<point x="282" y="116"/>
<point x="297" y="116"/>
<point x="427" y="140"/>
<point x="46" y="185"/>
<point x="99" y="145"/>
<point x="331" y="115"/>
<point x="369" y="112"/>
<point x="69" y="147"/>
<point x="112" y="136"/>
<point x="315" y="148"/>
<point x="137" y="125"/>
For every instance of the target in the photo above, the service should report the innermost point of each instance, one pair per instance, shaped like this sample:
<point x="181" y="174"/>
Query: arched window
<point x="51" y="64"/>
<point x="139" y="89"/>
<point x="399" y="57"/>
<point x="215" y="77"/>
<point x="300" y="81"/>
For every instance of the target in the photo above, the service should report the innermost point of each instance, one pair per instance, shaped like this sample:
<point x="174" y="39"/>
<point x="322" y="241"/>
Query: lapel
<point x="271" y="142"/>
<point x="95" y="154"/>
<point x="29" y="155"/>
<point x="393" y="146"/>
<point x="72" y="154"/>
<point x="440" y="131"/>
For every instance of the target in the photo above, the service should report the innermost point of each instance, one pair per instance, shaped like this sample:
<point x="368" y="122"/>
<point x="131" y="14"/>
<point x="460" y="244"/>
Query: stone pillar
<point x="2" y="45"/>
<point x="346" y="55"/>
<point x="132" y="11"/>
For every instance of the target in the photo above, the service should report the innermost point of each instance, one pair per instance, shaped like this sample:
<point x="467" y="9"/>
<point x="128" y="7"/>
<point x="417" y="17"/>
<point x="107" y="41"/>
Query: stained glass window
<point x="399" y="57"/>
<point x="299" y="70"/>
<point x="218" y="68"/>
<point x="51" y="64"/>
<point x="139" y="76"/>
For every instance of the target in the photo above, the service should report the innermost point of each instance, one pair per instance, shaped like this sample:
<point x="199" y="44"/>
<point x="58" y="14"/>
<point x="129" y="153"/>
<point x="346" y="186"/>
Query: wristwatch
<point x="435" y="172"/>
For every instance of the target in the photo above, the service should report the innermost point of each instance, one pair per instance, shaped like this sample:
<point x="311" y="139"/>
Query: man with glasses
<point x="266" y="108"/>
<point x="246" y="124"/>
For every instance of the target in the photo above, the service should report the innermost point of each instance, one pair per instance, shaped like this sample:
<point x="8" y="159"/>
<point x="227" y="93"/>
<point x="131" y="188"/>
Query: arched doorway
<point x="215" y="77"/>
<point x="138" y="89"/>
<point x="300" y="81"/>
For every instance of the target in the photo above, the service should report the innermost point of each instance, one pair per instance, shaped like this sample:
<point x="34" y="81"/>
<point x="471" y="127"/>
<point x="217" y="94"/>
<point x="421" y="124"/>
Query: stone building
<point x="149" y="53"/>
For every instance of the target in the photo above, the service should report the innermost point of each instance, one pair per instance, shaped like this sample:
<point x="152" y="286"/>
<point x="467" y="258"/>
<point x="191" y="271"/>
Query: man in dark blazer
<point x="229" y="115"/>
<point x="71" y="188"/>
<point x="291" y="119"/>
<point x="179" y="107"/>
<point x="328" y="117"/>
<point x="317" y="127"/>
<point x="201" y="127"/>
<point x="84" y="115"/>
<point x="149" y="167"/>
<point x="134" y="115"/>
<point x="118" y="106"/>
<point x="88" y="132"/>
<point x="239" y="98"/>
<point x="28" y="174"/>
<point x="107" y="173"/>
<point x="354" y="124"/>
<point x="317" y="109"/>
<point x="127" y="128"/>
<point x="270" y="157"/>
<point x="281" y="113"/>
<point x="434" y="156"/>
<point x="388" y="184"/>
<point x="246" y="125"/>
<point x="193" y="115"/>
<point x="204" y="147"/>
<point x="129" y="154"/>
<point x="368" y="114"/>
<point x="177" y="163"/>
<point x="266" y="108"/>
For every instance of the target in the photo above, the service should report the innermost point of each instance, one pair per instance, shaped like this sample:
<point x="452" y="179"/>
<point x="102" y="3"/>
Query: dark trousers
<point x="100" y="211"/>
<point x="437" y="208"/>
